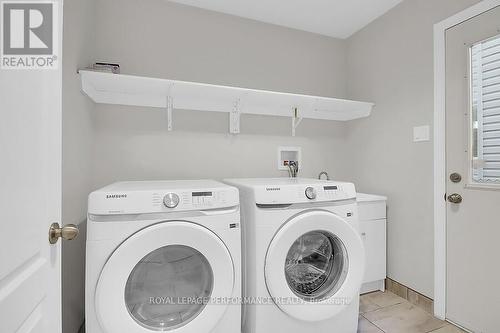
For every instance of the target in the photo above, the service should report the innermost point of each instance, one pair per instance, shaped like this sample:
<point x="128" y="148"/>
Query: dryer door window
<point x="316" y="265"/>
<point x="169" y="287"/>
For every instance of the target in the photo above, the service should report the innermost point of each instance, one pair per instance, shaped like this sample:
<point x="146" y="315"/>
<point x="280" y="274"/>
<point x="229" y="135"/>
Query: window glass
<point x="316" y="265"/>
<point x="485" y="111"/>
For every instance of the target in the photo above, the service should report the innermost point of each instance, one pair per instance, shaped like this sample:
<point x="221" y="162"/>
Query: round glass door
<point x="316" y="265"/>
<point x="169" y="287"/>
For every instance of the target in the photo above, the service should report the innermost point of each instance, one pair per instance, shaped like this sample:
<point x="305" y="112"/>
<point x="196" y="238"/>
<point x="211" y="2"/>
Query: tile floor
<point x="388" y="313"/>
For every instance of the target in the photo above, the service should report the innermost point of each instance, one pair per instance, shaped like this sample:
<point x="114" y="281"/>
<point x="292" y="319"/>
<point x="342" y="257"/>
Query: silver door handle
<point x="455" y="198"/>
<point x="68" y="232"/>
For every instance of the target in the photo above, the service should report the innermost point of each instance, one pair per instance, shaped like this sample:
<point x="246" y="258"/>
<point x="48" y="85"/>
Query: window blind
<point x="485" y="66"/>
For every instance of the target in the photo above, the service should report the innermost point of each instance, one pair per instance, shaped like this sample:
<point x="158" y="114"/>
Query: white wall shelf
<point x="123" y="89"/>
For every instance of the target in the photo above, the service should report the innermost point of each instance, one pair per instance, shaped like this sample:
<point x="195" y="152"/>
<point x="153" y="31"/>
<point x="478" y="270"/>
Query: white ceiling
<point x="334" y="18"/>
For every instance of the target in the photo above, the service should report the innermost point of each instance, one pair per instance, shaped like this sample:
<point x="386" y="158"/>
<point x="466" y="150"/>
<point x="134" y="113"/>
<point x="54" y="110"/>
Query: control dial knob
<point x="310" y="193"/>
<point x="171" y="200"/>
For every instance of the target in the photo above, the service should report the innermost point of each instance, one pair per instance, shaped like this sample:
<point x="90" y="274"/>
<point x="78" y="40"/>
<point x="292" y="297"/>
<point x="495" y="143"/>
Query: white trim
<point x="486" y="187"/>
<point x="440" y="147"/>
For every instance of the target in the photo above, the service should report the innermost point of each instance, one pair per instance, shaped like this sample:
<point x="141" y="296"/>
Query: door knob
<point x="455" y="198"/>
<point x="68" y="232"/>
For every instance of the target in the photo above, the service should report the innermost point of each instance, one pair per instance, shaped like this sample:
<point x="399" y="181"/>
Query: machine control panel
<point x="151" y="197"/>
<point x="203" y="198"/>
<point x="304" y="191"/>
<point x="331" y="191"/>
<point x="194" y="200"/>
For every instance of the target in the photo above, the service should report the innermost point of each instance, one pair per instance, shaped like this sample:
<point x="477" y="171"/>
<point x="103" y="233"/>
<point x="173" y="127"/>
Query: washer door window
<point x="314" y="266"/>
<point x="169" y="287"/>
<point x="164" y="278"/>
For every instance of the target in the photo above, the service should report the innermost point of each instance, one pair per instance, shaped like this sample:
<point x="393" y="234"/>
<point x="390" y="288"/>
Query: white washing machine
<point x="303" y="256"/>
<point x="163" y="256"/>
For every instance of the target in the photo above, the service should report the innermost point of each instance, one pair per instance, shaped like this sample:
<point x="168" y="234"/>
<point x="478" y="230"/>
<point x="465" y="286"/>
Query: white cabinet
<point x="372" y="223"/>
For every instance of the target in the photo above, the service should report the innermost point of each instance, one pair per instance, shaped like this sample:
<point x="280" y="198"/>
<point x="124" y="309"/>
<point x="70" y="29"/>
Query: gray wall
<point x="78" y="51"/>
<point x="162" y="39"/>
<point x="391" y="63"/>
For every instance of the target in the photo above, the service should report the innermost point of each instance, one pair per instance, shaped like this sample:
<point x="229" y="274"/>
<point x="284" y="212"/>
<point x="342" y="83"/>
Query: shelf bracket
<point x="234" y="118"/>
<point x="296" y="120"/>
<point x="170" y="106"/>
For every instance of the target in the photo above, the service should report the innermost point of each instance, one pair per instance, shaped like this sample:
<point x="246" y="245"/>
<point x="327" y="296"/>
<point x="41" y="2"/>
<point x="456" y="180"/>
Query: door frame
<point x="440" y="146"/>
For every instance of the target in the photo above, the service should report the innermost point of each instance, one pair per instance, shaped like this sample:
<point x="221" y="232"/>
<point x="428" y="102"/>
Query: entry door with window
<point x="473" y="170"/>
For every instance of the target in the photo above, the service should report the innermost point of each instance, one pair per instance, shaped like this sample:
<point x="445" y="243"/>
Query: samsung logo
<point x="273" y="189"/>
<point x="115" y="196"/>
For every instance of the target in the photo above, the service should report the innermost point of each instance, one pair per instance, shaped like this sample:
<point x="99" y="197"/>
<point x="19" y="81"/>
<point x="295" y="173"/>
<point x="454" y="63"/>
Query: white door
<point x="30" y="195"/>
<point x="473" y="170"/>
<point x="314" y="266"/>
<point x="166" y="277"/>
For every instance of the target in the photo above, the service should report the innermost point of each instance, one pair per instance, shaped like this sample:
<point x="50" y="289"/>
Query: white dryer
<point x="303" y="255"/>
<point x="163" y="256"/>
